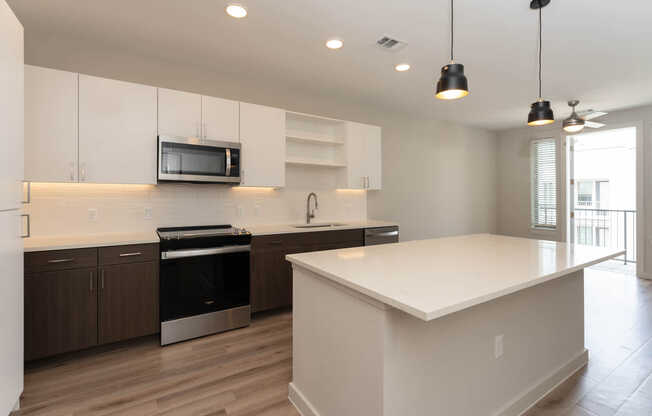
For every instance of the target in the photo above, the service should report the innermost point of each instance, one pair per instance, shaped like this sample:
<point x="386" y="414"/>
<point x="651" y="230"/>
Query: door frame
<point x="567" y="191"/>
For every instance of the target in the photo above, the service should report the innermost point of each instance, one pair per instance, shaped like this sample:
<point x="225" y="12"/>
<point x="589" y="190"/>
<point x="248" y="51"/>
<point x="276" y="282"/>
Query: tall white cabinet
<point x="51" y="125"/>
<point x="117" y="131"/>
<point x="262" y="136"/>
<point x="11" y="175"/>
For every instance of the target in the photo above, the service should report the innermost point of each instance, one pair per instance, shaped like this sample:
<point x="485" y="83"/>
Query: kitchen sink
<point x="320" y="225"/>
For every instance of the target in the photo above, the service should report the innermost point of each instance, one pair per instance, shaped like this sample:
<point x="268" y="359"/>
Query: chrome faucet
<point x="310" y="214"/>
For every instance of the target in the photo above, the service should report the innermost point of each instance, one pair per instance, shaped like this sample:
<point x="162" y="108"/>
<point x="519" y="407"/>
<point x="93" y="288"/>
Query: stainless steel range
<point x="204" y="281"/>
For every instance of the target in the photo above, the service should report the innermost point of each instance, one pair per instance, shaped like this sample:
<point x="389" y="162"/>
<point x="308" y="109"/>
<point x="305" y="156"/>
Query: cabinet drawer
<point x="135" y="253"/>
<point x="48" y="261"/>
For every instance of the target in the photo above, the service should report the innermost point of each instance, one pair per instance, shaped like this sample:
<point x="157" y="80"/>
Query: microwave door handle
<point x="228" y="162"/>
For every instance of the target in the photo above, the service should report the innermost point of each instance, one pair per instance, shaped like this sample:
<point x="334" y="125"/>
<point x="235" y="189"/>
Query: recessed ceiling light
<point x="334" y="44"/>
<point x="236" y="10"/>
<point x="402" y="67"/>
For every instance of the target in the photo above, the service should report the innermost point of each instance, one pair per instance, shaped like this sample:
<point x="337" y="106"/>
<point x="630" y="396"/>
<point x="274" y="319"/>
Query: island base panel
<point x="353" y="355"/>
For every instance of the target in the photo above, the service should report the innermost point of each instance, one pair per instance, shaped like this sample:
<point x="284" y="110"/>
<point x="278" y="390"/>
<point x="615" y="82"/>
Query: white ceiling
<point x="597" y="51"/>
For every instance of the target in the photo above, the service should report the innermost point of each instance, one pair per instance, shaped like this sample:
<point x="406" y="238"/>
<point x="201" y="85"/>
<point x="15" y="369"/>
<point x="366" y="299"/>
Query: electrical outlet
<point x="147" y="213"/>
<point x="92" y="214"/>
<point x="499" y="346"/>
<point x="257" y="209"/>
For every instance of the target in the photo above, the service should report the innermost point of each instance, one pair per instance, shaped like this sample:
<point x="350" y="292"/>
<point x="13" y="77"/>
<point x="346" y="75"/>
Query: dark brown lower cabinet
<point x="271" y="274"/>
<point x="70" y="306"/>
<point x="60" y="312"/>
<point x="128" y="301"/>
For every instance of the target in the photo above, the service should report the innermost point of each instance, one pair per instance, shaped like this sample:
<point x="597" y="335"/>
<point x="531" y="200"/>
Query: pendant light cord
<point x="452" y="31"/>
<point x="540" y="47"/>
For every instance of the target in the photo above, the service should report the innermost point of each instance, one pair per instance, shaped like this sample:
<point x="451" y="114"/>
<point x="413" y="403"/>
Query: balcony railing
<point x="607" y="228"/>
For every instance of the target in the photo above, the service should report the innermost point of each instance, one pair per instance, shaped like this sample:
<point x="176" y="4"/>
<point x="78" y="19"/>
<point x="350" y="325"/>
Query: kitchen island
<point x="469" y="325"/>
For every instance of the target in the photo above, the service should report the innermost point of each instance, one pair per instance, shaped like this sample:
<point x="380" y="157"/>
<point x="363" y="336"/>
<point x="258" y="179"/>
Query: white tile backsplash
<point x="58" y="209"/>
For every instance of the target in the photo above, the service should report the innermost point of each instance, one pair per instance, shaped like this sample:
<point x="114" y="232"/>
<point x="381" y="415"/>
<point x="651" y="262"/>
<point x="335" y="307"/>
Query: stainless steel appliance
<point x="191" y="159"/>
<point x="204" y="286"/>
<point x="380" y="235"/>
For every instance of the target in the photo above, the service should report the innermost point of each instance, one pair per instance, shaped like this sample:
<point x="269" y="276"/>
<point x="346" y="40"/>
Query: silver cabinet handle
<point x="385" y="234"/>
<point x="242" y="176"/>
<point x="61" y="261"/>
<point x="137" y="253"/>
<point x="204" y="128"/>
<point x="29" y="193"/>
<point x="29" y="226"/>
<point x="178" y="254"/>
<point x="83" y="172"/>
<point x="90" y="280"/>
<point x="102" y="278"/>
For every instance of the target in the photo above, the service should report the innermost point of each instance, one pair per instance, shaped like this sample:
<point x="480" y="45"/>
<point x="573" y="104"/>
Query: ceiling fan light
<point x="573" y="125"/>
<point x="453" y="83"/>
<point x="540" y="114"/>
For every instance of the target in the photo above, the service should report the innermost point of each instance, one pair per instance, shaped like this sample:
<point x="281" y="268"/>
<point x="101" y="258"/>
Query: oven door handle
<point x="178" y="254"/>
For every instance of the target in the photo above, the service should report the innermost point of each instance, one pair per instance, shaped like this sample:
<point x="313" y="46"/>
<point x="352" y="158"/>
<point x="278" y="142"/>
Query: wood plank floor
<point x="246" y="372"/>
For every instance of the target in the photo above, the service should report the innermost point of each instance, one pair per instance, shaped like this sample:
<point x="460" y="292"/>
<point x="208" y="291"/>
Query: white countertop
<point x="47" y="243"/>
<point x="289" y="228"/>
<point x="59" y="242"/>
<point x="432" y="278"/>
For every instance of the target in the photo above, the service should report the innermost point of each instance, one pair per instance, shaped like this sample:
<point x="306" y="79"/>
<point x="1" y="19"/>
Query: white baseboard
<point x="643" y="275"/>
<point x="543" y="386"/>
<point x="300" y="402"/>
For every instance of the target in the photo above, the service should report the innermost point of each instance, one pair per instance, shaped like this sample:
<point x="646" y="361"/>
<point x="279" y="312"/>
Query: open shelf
<point x="310" y="137"/>
<point x="313" y="162"/>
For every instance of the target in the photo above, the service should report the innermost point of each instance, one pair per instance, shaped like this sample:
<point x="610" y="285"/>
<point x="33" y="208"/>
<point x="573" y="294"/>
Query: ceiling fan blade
<point x="593" y="124"/>
<point x="591" y="114"/>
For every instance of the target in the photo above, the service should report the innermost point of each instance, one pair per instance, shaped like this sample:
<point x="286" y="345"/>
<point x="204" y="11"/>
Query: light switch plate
<point x="499" y="347"/>
<point x="92" y="214"/>
<point x="147" y="213"/>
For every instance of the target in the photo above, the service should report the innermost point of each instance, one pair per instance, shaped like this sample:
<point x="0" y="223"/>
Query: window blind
<point x="544" y="183"/>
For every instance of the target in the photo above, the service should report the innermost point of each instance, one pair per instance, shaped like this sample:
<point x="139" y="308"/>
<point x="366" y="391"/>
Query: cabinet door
<point x="271" y="284"/>
<point x="128" y="301"/>
<point x="50" y="125"/>
<point x="11" y="111"/>
<point x="363" y="154"/>
<point x="220" y="119"/>
<point x="262" y="135"/>
<point x="373" y="150"/>
<point x="356" y="163"/>
<point x="179" y="113"/>
<point x="60" y="312"/>
<point x="117" y="131"/>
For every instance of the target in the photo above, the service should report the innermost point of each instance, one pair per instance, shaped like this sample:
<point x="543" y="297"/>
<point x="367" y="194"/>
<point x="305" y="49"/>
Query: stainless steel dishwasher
<point x="380" y="235"/>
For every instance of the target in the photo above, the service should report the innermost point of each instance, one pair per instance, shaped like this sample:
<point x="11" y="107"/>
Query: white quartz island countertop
<point x="429" y="279"/>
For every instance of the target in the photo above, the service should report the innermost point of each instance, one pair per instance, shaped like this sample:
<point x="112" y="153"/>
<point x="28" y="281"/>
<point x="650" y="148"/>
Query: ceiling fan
<point x="578" y="120"/>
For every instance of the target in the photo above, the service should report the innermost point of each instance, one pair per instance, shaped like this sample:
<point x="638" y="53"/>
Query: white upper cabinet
<point x="220" y="119"/>
<point x="50" y="125"/>
<point x="117" y="131"/>
<point x="363" y="157"/>
<point x="179" y="113"/>
<point x="262" y="135"/>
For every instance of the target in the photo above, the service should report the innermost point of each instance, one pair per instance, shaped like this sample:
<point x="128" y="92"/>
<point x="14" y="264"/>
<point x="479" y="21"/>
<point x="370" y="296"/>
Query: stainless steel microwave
<point x="191" y="159"/>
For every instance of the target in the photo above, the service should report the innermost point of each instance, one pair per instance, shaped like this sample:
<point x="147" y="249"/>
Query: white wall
<point x="514" y="179"/>
<point x="439" y="179"/>
<point x="453" y="166"/>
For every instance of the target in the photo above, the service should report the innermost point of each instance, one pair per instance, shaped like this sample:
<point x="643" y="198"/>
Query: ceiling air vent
<point x="387" y="43"/>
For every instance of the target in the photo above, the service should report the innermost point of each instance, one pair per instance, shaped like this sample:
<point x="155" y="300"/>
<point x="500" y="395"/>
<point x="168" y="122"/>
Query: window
<point x="544" y="183"/>
<point x="584" y="194"/>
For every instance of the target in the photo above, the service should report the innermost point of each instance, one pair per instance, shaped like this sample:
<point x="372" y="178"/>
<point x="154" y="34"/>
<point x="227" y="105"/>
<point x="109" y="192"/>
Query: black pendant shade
<point x="540" y="114"/>
<point x="453" y="83"/>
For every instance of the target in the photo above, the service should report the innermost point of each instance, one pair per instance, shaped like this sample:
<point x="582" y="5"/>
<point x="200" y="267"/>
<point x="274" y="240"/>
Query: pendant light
<point x="540" y="111"/>
<point x="452" y="84"/>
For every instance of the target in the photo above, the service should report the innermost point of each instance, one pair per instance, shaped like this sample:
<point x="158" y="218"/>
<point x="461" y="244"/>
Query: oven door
<point x="191" y="159"/>
<point x="203" y="281"/>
